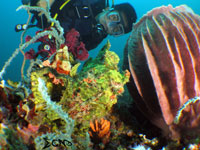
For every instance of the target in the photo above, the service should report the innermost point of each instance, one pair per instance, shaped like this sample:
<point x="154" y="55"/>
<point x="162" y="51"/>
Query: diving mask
<point x="114" y="23"/>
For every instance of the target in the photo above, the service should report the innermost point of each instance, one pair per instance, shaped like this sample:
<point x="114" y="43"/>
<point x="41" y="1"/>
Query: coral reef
<point x="63" y="102"/>
<point x="88" y="95"/>
<point x="58" y="105"/>
<point x="163" y="56"/>
<point x="53" y="105"/>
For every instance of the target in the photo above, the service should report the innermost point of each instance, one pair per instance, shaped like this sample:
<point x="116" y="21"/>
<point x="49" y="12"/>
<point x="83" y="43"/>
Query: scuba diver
<point x="93" y="19"/>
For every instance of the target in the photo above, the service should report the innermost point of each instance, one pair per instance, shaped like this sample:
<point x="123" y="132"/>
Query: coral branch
<point x="48" y="16"/>
<point x="56" y="108"/>
<point x="57" y="34"/>
<point x="8" y="62"/>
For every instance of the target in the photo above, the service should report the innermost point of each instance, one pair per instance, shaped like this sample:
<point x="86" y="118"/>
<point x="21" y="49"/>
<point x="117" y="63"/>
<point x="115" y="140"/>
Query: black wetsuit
<point x="78" y="14"/>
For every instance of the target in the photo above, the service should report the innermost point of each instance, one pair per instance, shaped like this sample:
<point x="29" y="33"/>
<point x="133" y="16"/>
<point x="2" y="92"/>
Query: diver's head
<point x="118" y="20"/>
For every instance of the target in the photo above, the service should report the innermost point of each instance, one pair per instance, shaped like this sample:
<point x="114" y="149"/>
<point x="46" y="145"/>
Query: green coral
<point x="38" y="99"/>
<point x="34" y="83"/>
<point x="95" y="88"/>
<point x="86" y="95"/>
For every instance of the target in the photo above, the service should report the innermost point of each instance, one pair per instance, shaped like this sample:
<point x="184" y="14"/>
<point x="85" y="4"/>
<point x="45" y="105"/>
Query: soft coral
<point x="75" y="46"/>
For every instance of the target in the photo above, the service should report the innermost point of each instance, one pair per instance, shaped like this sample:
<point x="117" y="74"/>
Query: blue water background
<point x="10" y="40"/>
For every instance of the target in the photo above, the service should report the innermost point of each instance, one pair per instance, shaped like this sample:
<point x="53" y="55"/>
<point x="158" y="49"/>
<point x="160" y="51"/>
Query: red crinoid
<point x="75" y="45"/>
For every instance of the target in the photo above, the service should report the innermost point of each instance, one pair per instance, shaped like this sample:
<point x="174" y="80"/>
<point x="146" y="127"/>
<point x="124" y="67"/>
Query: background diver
<point x="93" y="19"/>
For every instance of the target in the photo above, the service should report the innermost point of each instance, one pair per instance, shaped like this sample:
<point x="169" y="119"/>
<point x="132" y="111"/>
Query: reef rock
<point x="163" y="54"/>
